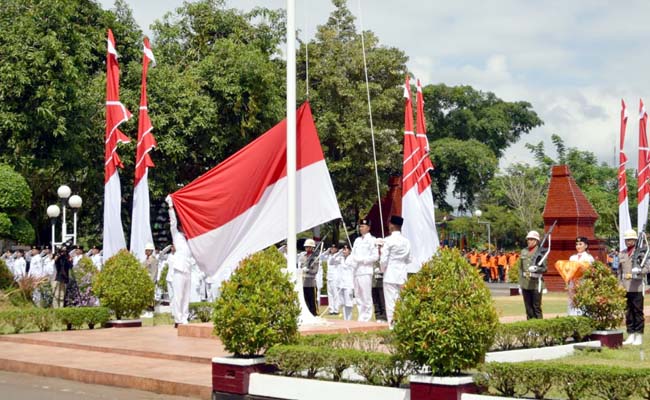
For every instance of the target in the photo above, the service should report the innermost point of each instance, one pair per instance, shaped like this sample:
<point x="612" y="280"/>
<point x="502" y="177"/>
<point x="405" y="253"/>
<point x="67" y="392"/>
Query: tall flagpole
<point x="291" y="135"/>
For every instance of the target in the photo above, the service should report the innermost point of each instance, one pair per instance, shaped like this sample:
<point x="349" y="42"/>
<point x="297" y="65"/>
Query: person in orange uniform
<point x="485" y="265"/>
<point x="494" y="268"/>
<point x="502" y="262"/>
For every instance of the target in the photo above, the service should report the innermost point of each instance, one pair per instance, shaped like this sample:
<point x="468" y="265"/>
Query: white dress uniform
<point x="9" y="260"/>
<point x="97" y="261"/>
<point x="179" y="262"/>
<point x="36" y="266"/>
<point x="364" y="254"/>
<point x="584" y="257"/>
<point x="394" y="261"/>
<point x="48" y="266"/>
<point x="334" y="262"/>
<point x="19" y="268"/>
<point x="346" y="286"/>
<point x="197" y="284"/>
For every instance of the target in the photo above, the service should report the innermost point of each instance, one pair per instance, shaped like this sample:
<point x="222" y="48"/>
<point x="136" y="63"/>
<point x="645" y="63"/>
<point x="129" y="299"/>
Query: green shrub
<point x="541" y="332"/>
<point x="72" y="317"/>
<point x="201" y="310"/>
<point x="15" y="319"/>
<point x="96" y="316"/>
<point x="162" y="282"/>
<point x="258" y="307"/>
<point x="43" y="318"/>
<point x="6" y="277"/>
<point x="124" y="286"/>
<point x="445" y="318"/>
<point x="600" y="297"/>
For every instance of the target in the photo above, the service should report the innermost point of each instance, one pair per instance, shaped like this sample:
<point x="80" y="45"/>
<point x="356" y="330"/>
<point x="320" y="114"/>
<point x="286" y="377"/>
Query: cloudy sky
<point x="573" y="60"/>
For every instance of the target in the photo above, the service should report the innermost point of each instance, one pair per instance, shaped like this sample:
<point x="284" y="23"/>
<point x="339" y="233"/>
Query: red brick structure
<point x="575" y="216"/>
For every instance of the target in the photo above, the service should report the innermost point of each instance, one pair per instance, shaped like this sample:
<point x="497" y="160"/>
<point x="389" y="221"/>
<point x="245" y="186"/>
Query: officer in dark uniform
<point x="531" y="279"/>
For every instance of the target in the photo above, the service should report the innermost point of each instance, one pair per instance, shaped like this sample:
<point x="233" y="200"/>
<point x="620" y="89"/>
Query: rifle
<point x="640" y="255"/>
<point x="542" y="252"/>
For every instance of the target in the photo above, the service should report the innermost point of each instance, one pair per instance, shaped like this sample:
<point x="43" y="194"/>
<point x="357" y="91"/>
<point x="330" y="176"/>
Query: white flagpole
<point x="291" y="135"/>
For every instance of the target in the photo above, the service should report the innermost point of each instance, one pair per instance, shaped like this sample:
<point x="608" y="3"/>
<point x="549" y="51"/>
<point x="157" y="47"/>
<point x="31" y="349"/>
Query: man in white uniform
<point x="346" y="283"/>
<point x="36" y="263"/>
<point x="365" y="255"/>
<point x="179" y="262"/>
<point x="96" y="258"/>
<point x="335" y="259"/>
<point x="20" y="265"/>
<point x="395" y="257"/>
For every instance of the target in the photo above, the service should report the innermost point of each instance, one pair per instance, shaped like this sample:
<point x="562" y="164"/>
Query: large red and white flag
<point x="643" y="190"/>
<point x="417" y="199"/>
<point x="116" y="113"/>
<point x="240" y="206"/>
<point x="140" y="220"/>
<point x="624" y="222"/>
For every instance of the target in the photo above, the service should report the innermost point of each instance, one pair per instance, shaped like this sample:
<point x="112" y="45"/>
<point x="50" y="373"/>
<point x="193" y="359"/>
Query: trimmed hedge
<point x="573" y="382"/>
<point x="44" y="319"/>
<point x="541" y="332"/>
<point x="201" y="310"/>
<point x="377" y="368"/>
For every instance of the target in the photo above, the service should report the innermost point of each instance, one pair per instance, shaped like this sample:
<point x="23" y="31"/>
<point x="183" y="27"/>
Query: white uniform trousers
<point x="181" y="281"/>
<point x="333" y="296"/>
<point x="391" y="294"/>
<point x="363" y="294"/>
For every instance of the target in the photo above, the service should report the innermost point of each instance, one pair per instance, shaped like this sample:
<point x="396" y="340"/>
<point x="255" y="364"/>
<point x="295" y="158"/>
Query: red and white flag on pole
<point x="624" y="222"/>
<point x="644" y="173"/>
<point x="116" y="113"/>
<point x="240" y="206"/>
<point x="140" y="221"/>
<point x="417" y="200"/>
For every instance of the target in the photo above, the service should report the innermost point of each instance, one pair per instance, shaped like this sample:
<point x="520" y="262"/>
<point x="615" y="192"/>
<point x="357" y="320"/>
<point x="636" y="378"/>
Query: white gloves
<point x="636" y="270"/>
<point x="169" y="201"/>
<point x="379" y="242"/>
<point x="532" y="268"/>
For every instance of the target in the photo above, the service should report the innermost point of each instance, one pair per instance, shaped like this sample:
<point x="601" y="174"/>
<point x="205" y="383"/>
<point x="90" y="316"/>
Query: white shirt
<point x="584" y="257"/>
<point x="20" y="265"/>
<point x="97" y="261"/>
<point x="395" y="258"/>
<point x="346" y="273"/>
<point x="334" y="262"/>
<point x="36" y="266"/>
<point x="48" y="266"/>
<point x="364" y="254"/>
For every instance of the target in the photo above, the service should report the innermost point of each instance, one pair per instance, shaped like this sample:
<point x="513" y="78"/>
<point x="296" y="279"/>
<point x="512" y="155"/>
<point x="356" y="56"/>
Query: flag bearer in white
<point x="395" y="257"/>
<point x="364" y="255"/>
<point x="335" y="259"/>
<point x="346" y="283"/>
<point x="179" y="263"/>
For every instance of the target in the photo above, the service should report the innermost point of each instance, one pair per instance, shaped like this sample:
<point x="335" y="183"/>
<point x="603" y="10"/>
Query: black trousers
<point x="310" y="299"/>
<point x="533" y="303"/>
<point x="634" y="319"/>
<point x="379" y="303"/>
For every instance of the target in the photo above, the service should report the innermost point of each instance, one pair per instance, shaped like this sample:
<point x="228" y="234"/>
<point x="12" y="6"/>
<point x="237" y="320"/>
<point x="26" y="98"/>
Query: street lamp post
<point x="75" y="203"/>
<point x="64" y="193"/>
<point x="478" y="214"/>
<point x="53" y="212"/>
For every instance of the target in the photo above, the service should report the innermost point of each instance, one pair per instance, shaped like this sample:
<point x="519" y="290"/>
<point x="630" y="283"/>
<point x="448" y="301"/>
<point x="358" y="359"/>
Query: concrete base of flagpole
<point x="306" y="317"/>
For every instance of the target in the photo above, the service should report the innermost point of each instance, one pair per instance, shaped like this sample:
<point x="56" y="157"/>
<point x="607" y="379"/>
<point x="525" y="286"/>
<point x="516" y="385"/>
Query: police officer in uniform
<point x="631" y="278"/>
<point x="531" y="277"/>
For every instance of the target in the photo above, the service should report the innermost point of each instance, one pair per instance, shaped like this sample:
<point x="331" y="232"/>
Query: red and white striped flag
<point x="116" y="113"/>
<point x="417" y="200"/>
<point x="644" y="173"/>
<point x="140" y="221"/>
<point x="624" y="222"/>
<point x="240" y="206"/>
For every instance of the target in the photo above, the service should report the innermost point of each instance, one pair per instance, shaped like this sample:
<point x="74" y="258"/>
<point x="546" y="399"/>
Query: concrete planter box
<point x="426" y="387"/>
<point x="230" y="376"/>
<point x="323" y="300"/>
<point x="514" y="290"/>
<point x="537" y="353"/>
<point x="612" y="338"/>
<point x="285" y="387"/>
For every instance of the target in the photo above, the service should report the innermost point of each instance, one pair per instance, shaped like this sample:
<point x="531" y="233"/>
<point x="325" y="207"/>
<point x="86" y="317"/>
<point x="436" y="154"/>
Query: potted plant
<point x="601" y="298"/>
<point x="258" y="308"/>
<point x="125" y="287"/>
<point x="446" y="321"/>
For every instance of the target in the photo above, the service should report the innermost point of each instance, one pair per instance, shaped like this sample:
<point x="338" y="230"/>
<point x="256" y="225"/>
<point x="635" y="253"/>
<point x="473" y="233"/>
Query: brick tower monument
<point x="575" y="216"/>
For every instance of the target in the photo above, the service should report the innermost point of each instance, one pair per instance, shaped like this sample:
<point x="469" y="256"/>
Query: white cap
<point x="630" y="234"/>
<point x="310" y="243"/>
<point x="149" y="246"/>
<point x="533" y="235"/>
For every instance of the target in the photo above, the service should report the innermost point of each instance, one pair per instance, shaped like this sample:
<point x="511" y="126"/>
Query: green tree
<point x="337" y="93"/>
<point x="470" y="164"/>
<point x="464" y="113"/>
<point x="15" y="200"/>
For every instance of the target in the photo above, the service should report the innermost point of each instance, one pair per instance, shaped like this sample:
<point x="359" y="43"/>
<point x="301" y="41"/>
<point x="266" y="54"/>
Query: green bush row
<point x="376" y="368"/>
<point x="201" y="310"/>
<point x="46" y="318"/>
<point x="571" y="382"/>
<point x="372" y="341"/>
<point x="541" y="332"/>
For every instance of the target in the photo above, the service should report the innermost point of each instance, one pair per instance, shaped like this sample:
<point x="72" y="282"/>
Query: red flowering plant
<point x="600" y="297"/>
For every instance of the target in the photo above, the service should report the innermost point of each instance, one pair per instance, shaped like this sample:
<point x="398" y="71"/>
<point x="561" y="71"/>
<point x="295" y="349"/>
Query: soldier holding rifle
<point x="532" y="265"/>
<point x="634" y="264"/>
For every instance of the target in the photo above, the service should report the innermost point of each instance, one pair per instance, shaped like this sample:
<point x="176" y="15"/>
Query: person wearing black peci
<point x="531" y="277"/>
